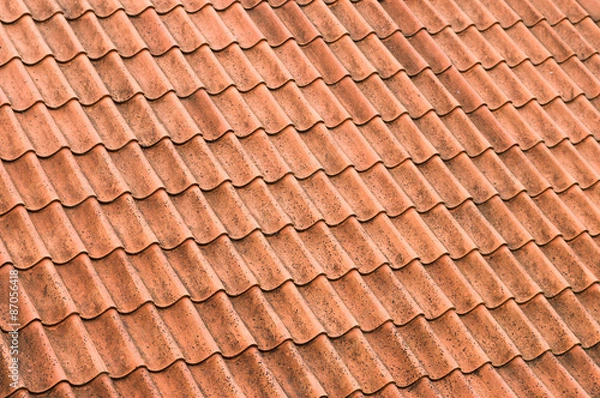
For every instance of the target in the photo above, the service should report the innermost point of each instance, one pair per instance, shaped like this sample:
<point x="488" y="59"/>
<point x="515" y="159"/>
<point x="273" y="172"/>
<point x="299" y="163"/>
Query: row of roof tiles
<point x="286" y="159"/>
<point x="155" y="338"/>
<point x="125" y="282"/>
<point x="460" y="225"/>
<point x="57" y="83"/>
<point x="50" y="76"/>
<point x="433" y="14"/>
<point x="390" y="98"/>
<point x="96" y="35"/>
<point x="283" y="372"/>
<point x="393" y="141"/>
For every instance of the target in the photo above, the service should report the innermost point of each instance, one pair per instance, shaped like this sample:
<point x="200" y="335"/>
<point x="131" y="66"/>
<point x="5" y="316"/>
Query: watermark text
<point x="13" y="333"/>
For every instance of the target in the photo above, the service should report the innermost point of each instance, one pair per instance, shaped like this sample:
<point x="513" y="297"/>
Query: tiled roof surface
<point x="398" y="198"/>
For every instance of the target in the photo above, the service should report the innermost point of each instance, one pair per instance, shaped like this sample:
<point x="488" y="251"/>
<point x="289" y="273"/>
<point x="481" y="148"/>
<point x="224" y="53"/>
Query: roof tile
<point x="394" y="296"/>
<point x="457" y="51"/>
<point x="430" y="299"/>
<point x="202" y="221"/>
<point x="297" y="62"/>
<point x="357" y="195"/>
<point x="327" y="251"/>
<point x="428" y="16"/>
<point x="301" y="324"/>
<point x="125" y="217"/>
<point x="261" y="319"/>
<point x="232" y="271"/>
<point x="334" y="376"/>
<point x="454" y="284"/>
<point x="577" y="362"/>
<point x="547" y="364"/>
<point x="526" y="173"/>
<point x="149" y="76"/>
<point x="38" y="342"/>
<point x="262" y="260"/>
<point x="453" y="333"/>
<point x="474" y="182"/>
<point x="84" y="286"/>
<point x="350" y="17"/>
<point x="45" y="222"/>
<point x="39" y="118"/>
<point x="30" y="189"/>
<point x="22" y="95"/>
<point x="119" y="82"/>
<point x="153" y="32"/>
<point x="401" y="49"/>
<point x="383" y="142"/>
<point x="330" y="104"/>
<point x="379" y="57"/>
<point x="325" y="21"/>
<point x="491" y="129"/>
<point x="218" y="36"/>
<point x="572" y="268"/>
<point x="559" y="214"/>
<point x="298" y="24"/>
<point x="490" y="335"/>
<point x="27" y="40"/>
<point x="8" y="51"/>
<point x="498" y="215"/>
<point x="273" y="28"/>
<point x="448" y="231"/>
<point x="250" y="364"/>
<point x="182" y="29"/>
<point x="11" y="12"/>
<point x="271" y="68"/>
<point x="577" y="318"/>
<point x="541" y="270"/>
<point x="363" y="303"/>
<point x="346" y="136"/>
<point x="499" y="10"/>
<point x="582" y="208"/>
<point x="352" y="58"/>
<point x="478" y="228"/>
<point x="356" y="352"/>
<point x="130" y="293"/>
<point x="165" y="221"/>
<point x="9" y="196"/>
<point x="47" y="294"/>
<point x="239" y="68"/>
<point x="429" y="350"/>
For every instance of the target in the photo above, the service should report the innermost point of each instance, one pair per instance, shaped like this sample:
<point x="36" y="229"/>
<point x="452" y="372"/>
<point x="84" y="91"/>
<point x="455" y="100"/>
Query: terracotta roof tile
<point x="281" y="198"/>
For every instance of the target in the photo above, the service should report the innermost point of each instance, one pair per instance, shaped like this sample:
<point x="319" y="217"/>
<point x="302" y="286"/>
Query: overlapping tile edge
<point x="423" y="166"/>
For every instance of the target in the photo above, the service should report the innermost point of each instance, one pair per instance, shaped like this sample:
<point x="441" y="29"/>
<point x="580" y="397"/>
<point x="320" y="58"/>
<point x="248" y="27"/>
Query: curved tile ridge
<point x="41" y="12"/>
<point x="256" y="191"/>
<point x="162" y="151"/>
<point x="341" y="87"/>
<point x="558" y="147"/>
<point x="506" y="51"/>
<point x="163" y="47"/>
<point x="89" y="140"/>
<point x="194" y="378"/>
<point x="433" y="18"/>
<point x="440" y="335"/>
<point x="150" y="273"/>
<point x="332" y="120"/>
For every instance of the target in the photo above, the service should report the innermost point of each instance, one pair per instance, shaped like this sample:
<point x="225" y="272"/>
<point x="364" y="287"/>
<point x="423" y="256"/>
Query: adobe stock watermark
<point x="13" y="324"/>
